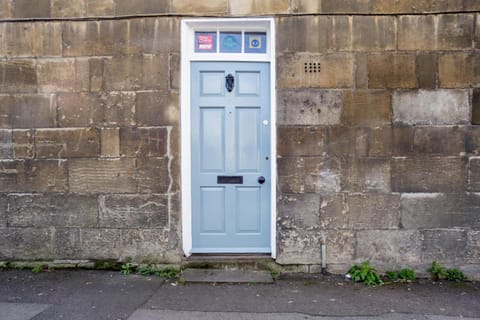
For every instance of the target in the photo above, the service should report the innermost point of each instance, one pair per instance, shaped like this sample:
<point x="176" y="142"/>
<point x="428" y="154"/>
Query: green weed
<point x="456" y="275"/>
<point x="405" y="274"/>
<point x="127" y="268"/>
<point x="366" y="274"/>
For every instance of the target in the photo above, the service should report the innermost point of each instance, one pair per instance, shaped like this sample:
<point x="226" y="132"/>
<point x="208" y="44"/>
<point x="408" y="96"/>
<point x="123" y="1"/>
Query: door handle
<point x="229" y="82"/>
<point x="261" y="180"/>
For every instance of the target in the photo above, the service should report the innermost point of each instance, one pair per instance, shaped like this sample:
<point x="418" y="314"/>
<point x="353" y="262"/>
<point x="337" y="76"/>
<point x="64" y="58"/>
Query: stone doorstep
<point x="192" y="275"/>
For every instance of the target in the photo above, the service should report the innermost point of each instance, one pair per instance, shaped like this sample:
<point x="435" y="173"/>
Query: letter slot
<point x="229" y="179"/>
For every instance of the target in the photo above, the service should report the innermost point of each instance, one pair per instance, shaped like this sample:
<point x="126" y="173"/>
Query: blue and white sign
<point x="255" y="42"/>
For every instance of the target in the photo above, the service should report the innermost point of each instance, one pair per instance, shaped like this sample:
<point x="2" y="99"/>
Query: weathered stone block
<point x="18" y="76"/>
<point x="49" y="210"/>
<point x="144" y="142"/>
<point x="128" y="7"/>
<point x="124" y="73"/>
<point x="473" y="245"/>
<point x="174" y="70"/>
<point x="161" y="35"/>
<point x="67" y="143"/>
<point x="367" y="175"/>
<point x="6" y="145"/>
<point x="199" y="7"/>
<point x="472" y="139"/>
<point x="100" y="244"/>
<point x="372" y="33"/>
<point x="105" y="109"/>
<point x="43" y="176"/>
<point x="149" y="244"/>
<point x="100" y="7"/>
<point x="118" y="108"/>
<point x="427" y="70"/>
<point x="290" y="175"/>
<point x="333" y="211"/>
<point x="63" y="75"/>
<point x="296" y="246"/>
<point x="323" y="175"/>
<point x="436" y="210"/>
<point x="6" y="9"/>
<point x="340" y="245"/>
<point x="439" y="32"/>
<point x="156" y="72"/>
<point x="110" y="142"/>
<point x="429" y="175"/>
<point x="153" y="175"/>
<point x="309" y="141"/>
<point x="476" y="106"/>
<point x="258" y="7"/>
<point x="81" y="38"/>
<point x="79" y="110"/>
<point x="26" y="244"/>
<point x="343" y="6"/>
<point x="102" y="176"/>
<point x="444" y="245"/>
<point x="299" y="211"/>
<point x="67" y="8"/>
<point x="367" y="108"/>
<point x="32" y="39"/>
<point x="477" y="28"/>
<point x="431" y="107"/>
<point x="122" y="37"/>
<point x="336" y="71"/>
<point x="304" y="247"/>
<point x="474" y="174"/>
<point x="309" y="107"/>
<point x="391" y="71"/>
<point x="394" y="248"/>
<point x="3" y="210"/>
<point x="157" y="108"/>
<point x="67" y="243"/>
<point x="33" y="176"/>
<point x="459" y="70"/>
<point x="361" y="71"/>
<point x="347" y="141"/>
<point x="31" y="9"/>
<point x="23" y="144"/>
<point x="417" y="6"/>
<point x="443" y="141"/>
<point x="373" y="211"/>
<point x="9" y="172"/>
<point x="133" y="211"/>
<point x="304" y="34"/>
<point x="96" y="66"/>
<point x="390" y="141"/>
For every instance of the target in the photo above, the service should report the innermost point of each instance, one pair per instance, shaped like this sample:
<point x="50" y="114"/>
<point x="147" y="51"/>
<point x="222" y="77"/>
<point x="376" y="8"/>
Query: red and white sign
<point x="205" y="42"/>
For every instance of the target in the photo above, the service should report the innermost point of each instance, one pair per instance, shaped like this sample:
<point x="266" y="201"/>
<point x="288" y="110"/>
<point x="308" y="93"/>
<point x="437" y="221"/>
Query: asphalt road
<point x="83" y="294"/>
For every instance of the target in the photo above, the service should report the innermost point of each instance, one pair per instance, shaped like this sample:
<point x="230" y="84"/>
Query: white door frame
<point x="188" y="54"/>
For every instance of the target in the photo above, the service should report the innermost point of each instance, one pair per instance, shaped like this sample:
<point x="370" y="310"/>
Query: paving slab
<point x="225" y="276"/>
<point x="143" y="314"/>
<point x="21" y="311"/>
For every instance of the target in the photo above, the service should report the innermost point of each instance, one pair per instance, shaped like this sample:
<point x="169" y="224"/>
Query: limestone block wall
<point x="377" y="106"/>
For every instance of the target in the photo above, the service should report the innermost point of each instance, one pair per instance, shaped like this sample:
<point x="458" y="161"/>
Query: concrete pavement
<point x="84" y="294"/>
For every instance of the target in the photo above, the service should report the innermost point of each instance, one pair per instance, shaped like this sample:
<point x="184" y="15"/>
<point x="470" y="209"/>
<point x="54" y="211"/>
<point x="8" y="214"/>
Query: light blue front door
<point x="230" y="112"/>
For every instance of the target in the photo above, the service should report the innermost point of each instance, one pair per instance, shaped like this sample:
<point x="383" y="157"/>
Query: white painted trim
<point x="188" y="54"/>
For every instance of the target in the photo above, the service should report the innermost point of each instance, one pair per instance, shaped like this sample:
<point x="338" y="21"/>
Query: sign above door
<point x="231" y="42"/>
<point x="228" y="40"/>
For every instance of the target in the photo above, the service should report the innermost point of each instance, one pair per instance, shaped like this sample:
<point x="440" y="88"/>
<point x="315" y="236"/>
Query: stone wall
<point x="378" y="156"/>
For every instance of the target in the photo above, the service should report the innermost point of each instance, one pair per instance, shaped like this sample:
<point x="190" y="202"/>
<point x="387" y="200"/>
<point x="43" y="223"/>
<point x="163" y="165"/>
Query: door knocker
<point x="229" y="82"/>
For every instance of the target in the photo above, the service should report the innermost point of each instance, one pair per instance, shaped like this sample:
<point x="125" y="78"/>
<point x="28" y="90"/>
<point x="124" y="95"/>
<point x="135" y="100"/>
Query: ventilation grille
<point x="312" y="67"/>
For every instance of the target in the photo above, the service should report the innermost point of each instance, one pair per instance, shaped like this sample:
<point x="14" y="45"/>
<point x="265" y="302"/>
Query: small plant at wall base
<point x="403" y="275"/>
<point x="366" y="274"/>
<point x="438" y="272"/>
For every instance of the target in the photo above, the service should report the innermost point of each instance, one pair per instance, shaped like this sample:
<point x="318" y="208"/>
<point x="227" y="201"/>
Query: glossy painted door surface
<point x="230" y="155"/>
